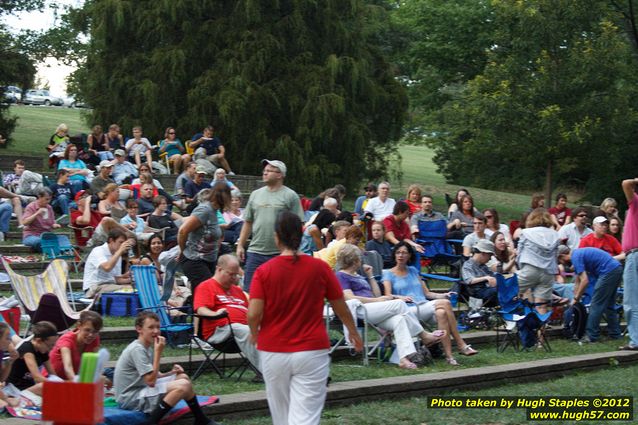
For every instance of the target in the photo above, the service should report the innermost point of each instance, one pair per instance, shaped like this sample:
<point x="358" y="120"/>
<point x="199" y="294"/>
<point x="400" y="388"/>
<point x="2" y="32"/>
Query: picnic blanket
<point x="116" y="416"/>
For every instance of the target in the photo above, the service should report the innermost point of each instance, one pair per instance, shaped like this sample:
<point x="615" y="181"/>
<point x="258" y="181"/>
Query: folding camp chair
<point x="227" y="346"/>
<point x="517" y="316"/>
<point x="58" y="246"/>
<point x="31" y="291"/>
<point x="145" y="279"/>
<point x="437" y="249"/>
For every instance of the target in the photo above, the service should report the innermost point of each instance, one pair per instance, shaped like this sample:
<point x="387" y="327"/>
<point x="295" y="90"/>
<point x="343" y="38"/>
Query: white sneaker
<point x="197" y="343"/>
<point x="230" y="173"/>
<point x="1" y="237"/>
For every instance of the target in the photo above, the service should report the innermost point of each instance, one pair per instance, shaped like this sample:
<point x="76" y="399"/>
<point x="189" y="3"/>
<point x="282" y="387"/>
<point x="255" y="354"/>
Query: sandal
<point x="468" y="350"/>
<point x="452" y="361"/>
<point x="435" y="337"/>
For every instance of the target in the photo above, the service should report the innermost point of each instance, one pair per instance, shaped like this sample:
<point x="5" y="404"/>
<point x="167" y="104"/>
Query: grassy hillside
<point x="37" y="123"/>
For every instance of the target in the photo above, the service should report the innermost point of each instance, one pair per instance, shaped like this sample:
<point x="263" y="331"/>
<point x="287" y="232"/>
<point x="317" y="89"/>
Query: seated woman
<point x="99" y="144"/>
<point x="154" y="247"/>
<point x="234" y="218"/>
<point x="174" y="149"/>
<point x="609" y="206"/>
<point x="312" y="238"/>
<point x="162" y="218"/>
<point x="397" y="228"/>
<point x="560" y="213"/>
<point x="110" y="206"/>
<point x="67" y="353"/>
<point x="220" y="176"/>
<point x="456" y="205"/>
<point x="504" y="259"/>
<point x="462" y="219"/>
<point x="135" y="224"/>
<point x="494" y="225"/>
<point x="404" y="282"/>
<point x="379" y="244"/>
<point x="76" y="167"/>
<point x="615" y="228"/>
<point x="38" y="218"/>
<point x="383" y="310"/>
<point x="413" y="198"/>
<point x="58" y="144"/>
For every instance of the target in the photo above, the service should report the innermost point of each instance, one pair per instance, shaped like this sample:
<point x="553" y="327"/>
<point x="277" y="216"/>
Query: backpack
<point x="574" y="321"/>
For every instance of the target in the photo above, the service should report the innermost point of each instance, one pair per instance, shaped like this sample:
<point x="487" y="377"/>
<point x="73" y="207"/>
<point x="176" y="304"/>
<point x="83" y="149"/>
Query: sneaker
<point x="197" y="343"/>
<point x="586" y="340"/>
<point x="1" y="237"/>
<point x="230" y="173"/>
<point x="628" y="347"/>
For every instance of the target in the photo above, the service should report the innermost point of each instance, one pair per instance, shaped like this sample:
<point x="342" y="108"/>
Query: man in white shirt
<point x="577" y="229"/>
<point x="103" y="268"/>
<point x="381" y="206"/>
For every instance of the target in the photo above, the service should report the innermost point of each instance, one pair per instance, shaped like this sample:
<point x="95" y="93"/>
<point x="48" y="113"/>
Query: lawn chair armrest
<point x="211" y="317"/>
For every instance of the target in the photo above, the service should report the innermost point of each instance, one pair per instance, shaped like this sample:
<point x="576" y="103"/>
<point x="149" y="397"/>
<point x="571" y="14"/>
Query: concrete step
<point x="17" y="249"/>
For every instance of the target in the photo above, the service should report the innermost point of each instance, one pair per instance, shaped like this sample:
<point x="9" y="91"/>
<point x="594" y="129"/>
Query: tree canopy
<point x="299" y="80"/>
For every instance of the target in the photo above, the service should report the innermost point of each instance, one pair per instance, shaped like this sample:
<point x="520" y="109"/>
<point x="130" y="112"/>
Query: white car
<point x="71" y="102"/>
<point x="12" y="94"/>
<point x="41" y="97"/>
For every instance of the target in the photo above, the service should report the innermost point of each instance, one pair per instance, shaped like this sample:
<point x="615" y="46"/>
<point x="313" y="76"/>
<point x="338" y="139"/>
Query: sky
<point x="51" y="70"/>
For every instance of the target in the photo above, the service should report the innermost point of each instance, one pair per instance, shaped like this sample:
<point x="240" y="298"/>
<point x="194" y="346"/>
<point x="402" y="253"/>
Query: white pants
<point x="242" y="334"/>
<point x="296" y="385"/>
<point x="396" y="317"/>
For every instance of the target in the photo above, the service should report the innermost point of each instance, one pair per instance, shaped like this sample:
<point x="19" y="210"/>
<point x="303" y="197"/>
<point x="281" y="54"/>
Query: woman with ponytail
<point x="285" y="316"/>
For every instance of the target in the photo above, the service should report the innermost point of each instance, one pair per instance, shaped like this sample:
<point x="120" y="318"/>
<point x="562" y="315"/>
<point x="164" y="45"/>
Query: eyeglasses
<point x="488" y="216"/>
<point x="171" y="132"/>
<point x="133" y="208"/>
<point x="402" y="253"/>
<point x="233" y="275"/>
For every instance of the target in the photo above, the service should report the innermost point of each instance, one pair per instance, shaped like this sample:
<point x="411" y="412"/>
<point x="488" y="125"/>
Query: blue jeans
<point x="5" y="215"/>
<point x="63" y="203"/>
<point x="105" y="155"/>
<point x="253" y="260"/>
<point x="630" y="297"/>
<point x="604" y="301"/>
<point x="34" y="242"/>
<point x="564" y="290"/>
<point x="77" y="185"/>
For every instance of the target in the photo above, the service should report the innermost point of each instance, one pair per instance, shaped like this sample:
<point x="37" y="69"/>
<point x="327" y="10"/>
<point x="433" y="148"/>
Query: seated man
<point x="472" y="239"/>
<point x="427" y="213"/>
<point x="11" y="181"/>
<point x="62" y="193"/>
<point x="208" y="146"/>
<point x="477" y="276"/>
<point x="603" y="240"/>
<point x="103" y="178"/>
<point x="185" y="177"/>
<point x="103" y="268"/>
<point x="123" y="171"/>
<point x="139" y="147"/>
<point x="138" y="382"/>
<point x="221" y="294"/>
<point x="145" y="201"/>
<point x="573" y="232"/>
<point x="362" y="201"/>
<point x="85" y="217"/>
<point x="198" y="183"/>
<point x="596" y="264"/>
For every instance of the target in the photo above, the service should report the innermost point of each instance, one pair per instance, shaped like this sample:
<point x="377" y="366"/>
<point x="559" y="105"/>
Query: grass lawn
<point x="37" y="123"/>
<point x="614" y="381"/>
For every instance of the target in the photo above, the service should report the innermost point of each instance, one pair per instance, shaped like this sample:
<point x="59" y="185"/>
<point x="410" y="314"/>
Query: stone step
<point x="17" y="235"/>
<point x="16" y="249"/>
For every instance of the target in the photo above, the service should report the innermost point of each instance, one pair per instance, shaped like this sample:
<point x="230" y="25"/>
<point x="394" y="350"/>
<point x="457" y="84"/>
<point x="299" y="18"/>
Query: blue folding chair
<point x="58" y="246"/>
<point x="145" y="279"/>
<point x="520" y="315"/>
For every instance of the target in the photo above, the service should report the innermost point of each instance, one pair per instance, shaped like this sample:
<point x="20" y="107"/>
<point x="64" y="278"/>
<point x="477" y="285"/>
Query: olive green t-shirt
<point x="262" y="210"/>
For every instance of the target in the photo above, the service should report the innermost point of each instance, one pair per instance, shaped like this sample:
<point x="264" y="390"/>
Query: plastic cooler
<point x="73" y="403"/>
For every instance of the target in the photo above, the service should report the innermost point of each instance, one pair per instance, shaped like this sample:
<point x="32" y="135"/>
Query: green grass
<point x="614" y="381"/>
<point x="37" y="123"/>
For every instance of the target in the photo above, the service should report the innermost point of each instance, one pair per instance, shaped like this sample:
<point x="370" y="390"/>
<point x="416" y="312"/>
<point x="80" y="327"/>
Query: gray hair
<point x="235" y="193"/>
<point x="330" y="202"/>
<point x="348" y="255"/>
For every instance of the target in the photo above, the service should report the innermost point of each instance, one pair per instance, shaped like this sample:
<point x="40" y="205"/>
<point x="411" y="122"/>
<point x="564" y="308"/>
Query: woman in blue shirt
<point x="76" y="167"/>
<point x="404" y="282"/>
<point x="175" y="150"/>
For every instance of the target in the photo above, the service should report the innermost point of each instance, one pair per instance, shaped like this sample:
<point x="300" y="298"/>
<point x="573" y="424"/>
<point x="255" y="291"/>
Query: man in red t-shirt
<point x="602" y="240"/>
<point x="218" y="294"/>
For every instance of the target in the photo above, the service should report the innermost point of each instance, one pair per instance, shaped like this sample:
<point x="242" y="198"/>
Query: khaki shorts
<point x="537" y="280"/>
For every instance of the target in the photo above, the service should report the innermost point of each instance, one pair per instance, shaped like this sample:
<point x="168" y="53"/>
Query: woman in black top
<point x="162" y="218"/>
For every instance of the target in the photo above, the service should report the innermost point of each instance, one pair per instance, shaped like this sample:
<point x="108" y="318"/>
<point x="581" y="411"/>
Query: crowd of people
<point x="271" y="265"/>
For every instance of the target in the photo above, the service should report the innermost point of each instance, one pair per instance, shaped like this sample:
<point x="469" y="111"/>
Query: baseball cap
<point x="200" y="170"/>
<point x="483" y="245"/>
<point x="120" y="152"/>
<point x="81" y="194"/>
<point x="600" y="219"/>
<point x="105" y="163"/>
<point x="275" y="163"/>
<point x="563" y="249"/>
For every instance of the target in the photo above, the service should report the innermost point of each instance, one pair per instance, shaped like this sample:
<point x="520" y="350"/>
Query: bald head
<point x="228" y="271"/>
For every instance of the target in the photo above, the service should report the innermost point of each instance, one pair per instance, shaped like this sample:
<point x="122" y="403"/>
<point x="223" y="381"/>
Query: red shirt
<point x="69" y="340"/>
<point x="607" y="243"/>
<point x="83" y="236"/>
<point x="210" y="294"/>
<point x="561" y="215"/>
<point x="414" y="207"/>
<point x="401" y="231"/>
<point x="293" y="293"/>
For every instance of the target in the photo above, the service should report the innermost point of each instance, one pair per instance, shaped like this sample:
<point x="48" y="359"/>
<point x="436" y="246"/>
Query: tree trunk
<point x="548" y="185"/>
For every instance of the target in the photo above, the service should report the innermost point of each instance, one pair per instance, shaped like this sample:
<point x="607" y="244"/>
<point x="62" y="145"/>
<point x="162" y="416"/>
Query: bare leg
<point x="180" y="389"/>
<point x="442" y="321"/>
<point x="17" y="208"/>
<point x="138" y="160"/>
<point x="149" y="158"/>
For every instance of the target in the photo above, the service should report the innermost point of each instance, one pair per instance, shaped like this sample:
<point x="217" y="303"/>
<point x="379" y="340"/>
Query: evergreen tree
<point x="298" y="80"/>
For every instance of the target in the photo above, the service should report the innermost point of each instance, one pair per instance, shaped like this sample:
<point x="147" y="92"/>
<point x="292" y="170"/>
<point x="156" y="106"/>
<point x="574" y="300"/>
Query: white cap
<point x="600" y="219"/>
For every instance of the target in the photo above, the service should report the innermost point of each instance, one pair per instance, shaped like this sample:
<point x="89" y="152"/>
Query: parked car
<point x="72" y="102"/>
<point x="41" y="97"/>
<point x="12" y="94"/>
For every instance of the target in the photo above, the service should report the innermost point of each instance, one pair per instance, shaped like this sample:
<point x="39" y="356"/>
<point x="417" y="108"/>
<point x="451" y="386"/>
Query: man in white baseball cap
<point x="260" y="216"/>
<point x="602" y="240"/>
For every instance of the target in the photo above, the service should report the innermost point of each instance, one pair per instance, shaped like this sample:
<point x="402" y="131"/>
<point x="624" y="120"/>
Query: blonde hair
<point x="62" y="127"/>
<point x="538" y="218"/>
<point x="414" y="188"/>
